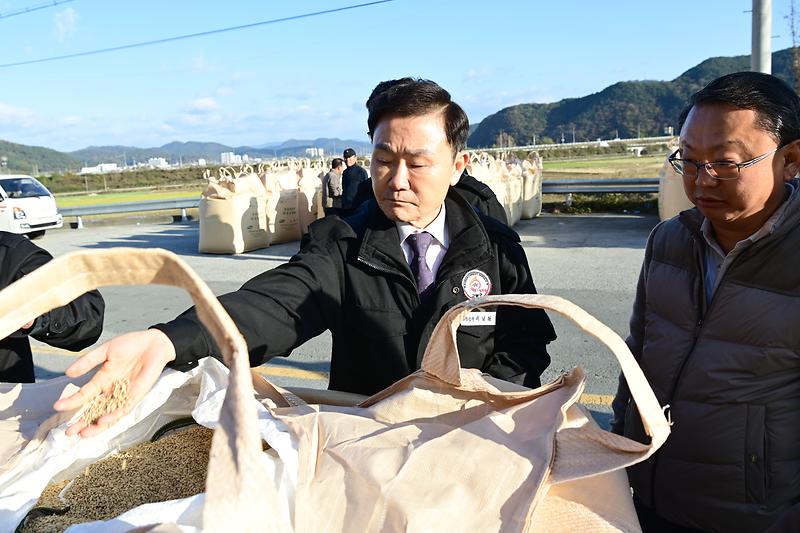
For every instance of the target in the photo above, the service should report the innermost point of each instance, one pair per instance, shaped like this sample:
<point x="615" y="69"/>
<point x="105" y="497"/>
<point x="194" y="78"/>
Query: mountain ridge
<point x="624" y="109"/>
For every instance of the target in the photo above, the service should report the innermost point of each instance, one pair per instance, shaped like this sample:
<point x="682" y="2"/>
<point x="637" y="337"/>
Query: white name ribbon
<point x="479" y="318"/>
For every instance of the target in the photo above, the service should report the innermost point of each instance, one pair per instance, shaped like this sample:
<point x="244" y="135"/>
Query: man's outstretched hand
<point x="138" y="357"/>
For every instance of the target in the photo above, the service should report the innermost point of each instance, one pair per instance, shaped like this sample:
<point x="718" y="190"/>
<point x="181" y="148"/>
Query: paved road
<point x="591" y="260"/>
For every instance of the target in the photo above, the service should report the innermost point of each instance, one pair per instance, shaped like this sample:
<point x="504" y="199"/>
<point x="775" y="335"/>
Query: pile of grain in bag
<point x="107" y="403"/>
<point x="172" y="467"/>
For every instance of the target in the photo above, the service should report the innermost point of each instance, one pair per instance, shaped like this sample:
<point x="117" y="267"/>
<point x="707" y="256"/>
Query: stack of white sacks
<point x="245" y="209"/>
<point x="516" y="183"/>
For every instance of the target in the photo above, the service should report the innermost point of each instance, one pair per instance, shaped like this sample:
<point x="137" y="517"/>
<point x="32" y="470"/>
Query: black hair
<point x="412" y="97"/>
<point x="337" y="162"/>
<point x="776" y="105"/>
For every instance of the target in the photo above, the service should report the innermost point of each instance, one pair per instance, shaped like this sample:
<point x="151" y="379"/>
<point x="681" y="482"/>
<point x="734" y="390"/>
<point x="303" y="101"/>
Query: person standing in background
<point x="332" y="188"/>
<point x="353" y="175"/>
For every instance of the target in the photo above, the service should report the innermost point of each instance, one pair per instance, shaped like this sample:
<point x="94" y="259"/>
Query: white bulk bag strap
<point x="441" y="360"/>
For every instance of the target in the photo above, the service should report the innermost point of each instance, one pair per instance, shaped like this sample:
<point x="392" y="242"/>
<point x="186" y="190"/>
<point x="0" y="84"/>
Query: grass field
<point x="124" y="197"/>
<point x="616" y="167"/>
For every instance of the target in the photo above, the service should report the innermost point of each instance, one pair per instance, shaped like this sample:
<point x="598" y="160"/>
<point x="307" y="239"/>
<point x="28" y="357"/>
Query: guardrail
<point x="643" y="141"/>
<point x="129" y="207"/>
<point x="620" y="185"/>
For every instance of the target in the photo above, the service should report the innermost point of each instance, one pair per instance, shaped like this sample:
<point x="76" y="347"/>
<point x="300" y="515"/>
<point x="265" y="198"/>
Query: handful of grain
<point x="107" y="403"/>
<point x="170" y="468"/>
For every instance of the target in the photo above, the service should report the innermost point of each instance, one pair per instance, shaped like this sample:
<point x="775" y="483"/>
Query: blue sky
<point x="309" y="78"/>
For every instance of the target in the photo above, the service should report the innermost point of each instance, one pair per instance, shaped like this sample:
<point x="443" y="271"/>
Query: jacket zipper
<point x="698" y="327"/>
<point x="392" y="272"/>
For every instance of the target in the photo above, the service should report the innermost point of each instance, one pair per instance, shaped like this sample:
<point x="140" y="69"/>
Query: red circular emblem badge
<point x="476" y="284"/>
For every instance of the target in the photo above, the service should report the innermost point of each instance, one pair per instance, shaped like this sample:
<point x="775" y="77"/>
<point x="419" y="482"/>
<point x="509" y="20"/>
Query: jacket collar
<point x="692" y="219"/>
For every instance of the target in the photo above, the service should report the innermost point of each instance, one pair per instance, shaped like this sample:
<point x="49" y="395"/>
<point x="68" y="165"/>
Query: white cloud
<point x="223" y="91"/>
<point x="476" y="74"/>
<point x="202" y="105"/>
<point x="257" y="125"/>
<point x="200" y="63"/>
<point x="66" y="21"/>
<point x="481" y="104"/>
<point x="16" y="118"/>
<point x="242" y="75"/>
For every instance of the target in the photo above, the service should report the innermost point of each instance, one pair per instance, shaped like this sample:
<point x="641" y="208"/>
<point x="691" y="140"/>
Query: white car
<point x="26" y="206"/>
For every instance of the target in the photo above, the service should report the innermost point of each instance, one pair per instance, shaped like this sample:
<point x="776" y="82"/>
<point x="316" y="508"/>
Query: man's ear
<point x="791" y="160"/>
<point x="462" y="158"/>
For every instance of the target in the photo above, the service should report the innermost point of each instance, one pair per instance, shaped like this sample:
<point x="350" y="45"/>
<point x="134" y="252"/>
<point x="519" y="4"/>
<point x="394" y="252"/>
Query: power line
<point x="192" y="35"/>
<point x="30" y="9"/>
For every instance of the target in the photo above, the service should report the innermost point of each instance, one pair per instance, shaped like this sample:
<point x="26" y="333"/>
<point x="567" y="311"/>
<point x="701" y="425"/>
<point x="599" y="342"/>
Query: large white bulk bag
<point x="233" y="215"/>
<point x="532" y="187"/>
<point x="672" y="198"/>
<point x="282" y="200"/>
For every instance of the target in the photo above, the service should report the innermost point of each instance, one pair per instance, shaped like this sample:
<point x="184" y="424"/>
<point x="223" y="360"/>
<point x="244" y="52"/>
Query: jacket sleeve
<point x="276" y="311"/>
<point x="521" y="335"/>
<point x="635" y="341"/>
<point x="335" y="184"/>
<point x="73" y="326"/>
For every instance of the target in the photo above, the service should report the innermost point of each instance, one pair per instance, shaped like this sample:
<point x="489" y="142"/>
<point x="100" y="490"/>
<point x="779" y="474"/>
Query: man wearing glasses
<point x="715" y="321"/>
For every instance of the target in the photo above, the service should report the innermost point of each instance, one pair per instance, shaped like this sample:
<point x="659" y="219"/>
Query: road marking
<point x="596" y="399"/>
<point x="299" y="373"/>
<point x="289" y="372"/>
<point x="49" y="350"/>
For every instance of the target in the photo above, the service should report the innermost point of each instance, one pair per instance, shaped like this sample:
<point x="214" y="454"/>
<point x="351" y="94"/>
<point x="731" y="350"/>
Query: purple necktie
<point x="420" y="242"/>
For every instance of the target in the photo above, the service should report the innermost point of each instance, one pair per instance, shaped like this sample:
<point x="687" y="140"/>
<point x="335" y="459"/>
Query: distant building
<point x="157" y="162"/>
<point x="229" y="158"/>
<point x="315" y="152"/>
<point x="100" y="169"/>
<point x="201" y="162"/>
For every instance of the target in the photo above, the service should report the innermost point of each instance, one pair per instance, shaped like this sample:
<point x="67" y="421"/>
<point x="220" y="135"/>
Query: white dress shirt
<point x="441" y="240"/>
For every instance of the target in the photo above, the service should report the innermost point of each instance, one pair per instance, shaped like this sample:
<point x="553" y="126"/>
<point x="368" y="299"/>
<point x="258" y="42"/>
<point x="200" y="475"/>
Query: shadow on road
<point x="602" y="418"/>
<point x="618" y="231"/>
<point x="42" y="373"/>
<point x="182" y="239"/>
<point x="323" y="367"/>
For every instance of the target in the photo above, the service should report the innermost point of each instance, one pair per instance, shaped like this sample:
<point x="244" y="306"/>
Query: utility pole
<point x="573" y="134"/>
<point x="795" y="50"/>
<point x="760" y="55"/>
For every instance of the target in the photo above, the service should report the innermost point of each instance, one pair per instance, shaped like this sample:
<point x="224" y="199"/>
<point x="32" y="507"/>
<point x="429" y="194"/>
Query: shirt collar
<point x="773" y="221"/>
<point x="436" y="228"/>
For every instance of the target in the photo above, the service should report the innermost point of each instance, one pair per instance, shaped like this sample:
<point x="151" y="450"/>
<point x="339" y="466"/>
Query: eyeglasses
<point x="721" y="170"/>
